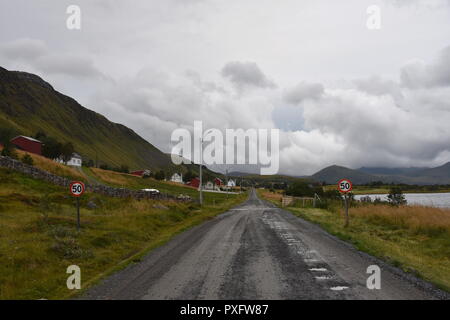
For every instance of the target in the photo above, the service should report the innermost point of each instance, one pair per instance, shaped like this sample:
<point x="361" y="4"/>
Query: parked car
<point x="152" y="191"/>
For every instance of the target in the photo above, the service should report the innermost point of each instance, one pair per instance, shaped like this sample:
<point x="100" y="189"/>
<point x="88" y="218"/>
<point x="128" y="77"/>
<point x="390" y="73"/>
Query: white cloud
<point x="337" y="95"/>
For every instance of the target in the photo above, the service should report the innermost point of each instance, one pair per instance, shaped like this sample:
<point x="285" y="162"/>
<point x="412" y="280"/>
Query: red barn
<point x="218" y="182"/>
<point x="27" y="144"/>
<point x="194" y="183"/>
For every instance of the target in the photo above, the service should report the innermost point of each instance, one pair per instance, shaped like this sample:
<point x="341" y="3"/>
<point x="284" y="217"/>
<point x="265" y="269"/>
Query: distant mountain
<point x="392" y="171"/>
<point x="419" y="176"/>
<point x="28" y="104"/>
<point x="239" y="174"/>
<point x="332" y="174"/>
<point x="442" y="172"/>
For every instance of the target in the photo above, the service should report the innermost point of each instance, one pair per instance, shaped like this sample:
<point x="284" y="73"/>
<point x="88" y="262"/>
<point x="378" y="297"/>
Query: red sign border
<point x="70" y="188"/>
<point x="351" y="185"/>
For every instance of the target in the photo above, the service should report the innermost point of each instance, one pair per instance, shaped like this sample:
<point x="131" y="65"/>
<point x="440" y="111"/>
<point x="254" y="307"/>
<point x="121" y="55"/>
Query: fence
<point x="287" y="200"/>
<point x="37" y="173"/>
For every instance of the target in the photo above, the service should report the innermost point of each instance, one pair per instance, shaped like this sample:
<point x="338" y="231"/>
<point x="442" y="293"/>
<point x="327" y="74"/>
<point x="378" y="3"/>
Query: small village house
<point x="231" y="183"/>
<point x="141" y="173"/>
<point x="209" y="185"/>
<point x="218" y="182"/>
<point x="75" y="160"/>
<point x="195" y="183"/>
<point x="177" y="178"/>
<point x="27" y="144"/>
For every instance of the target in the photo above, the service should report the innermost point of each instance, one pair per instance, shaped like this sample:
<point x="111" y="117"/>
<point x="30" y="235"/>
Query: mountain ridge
<point x="29" y="104"/>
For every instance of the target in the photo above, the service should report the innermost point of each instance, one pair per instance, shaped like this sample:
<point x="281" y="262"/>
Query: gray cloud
<point x="35" y="53"/>
<point x="377" y="86"/>
<point x="246" y="74"/>
<point x="303" y="91"/>
<point x="329" y="118"/>
<point x="417" y="74"/>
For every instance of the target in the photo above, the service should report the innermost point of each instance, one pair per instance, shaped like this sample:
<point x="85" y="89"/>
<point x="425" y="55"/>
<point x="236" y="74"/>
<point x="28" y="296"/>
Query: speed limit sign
<point x="77" y="188"/>
<point x="345" y="185"/>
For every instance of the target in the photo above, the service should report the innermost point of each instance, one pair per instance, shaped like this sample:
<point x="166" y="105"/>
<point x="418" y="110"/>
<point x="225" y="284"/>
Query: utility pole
<point x="346" y="211"/>
<point x="201" y="165"/>
<point x="226" y="178"/>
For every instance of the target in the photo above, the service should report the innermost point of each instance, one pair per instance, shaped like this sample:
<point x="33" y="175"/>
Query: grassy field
<point x="51" y="166"/>
<point x="414" y="238"/>
<point x="386" y="189"/>
<point x="38" y="237"/>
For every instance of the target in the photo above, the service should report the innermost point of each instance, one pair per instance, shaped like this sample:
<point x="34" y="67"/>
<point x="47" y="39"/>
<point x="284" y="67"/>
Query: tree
<point x="104" y="166"/>
<point x="160" y="175"/>
<point x="67" y="151"/>
<point x="124" y="169"/>
<point x="303" y="189"/>
<point x="6" y="135"/>
<point x="51" y="148"/>
<point x="27" y="159"/>
<point x="40" y="135"/>
<point x="396" y="196"/>
<point x="188" y="176"/>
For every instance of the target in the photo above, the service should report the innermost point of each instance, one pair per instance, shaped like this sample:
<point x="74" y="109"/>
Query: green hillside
<point x="28" y="104"/>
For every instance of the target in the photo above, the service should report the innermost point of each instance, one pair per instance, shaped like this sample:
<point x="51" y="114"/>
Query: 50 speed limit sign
<point x="77" y="188"/>
<point x="345" y="185"/>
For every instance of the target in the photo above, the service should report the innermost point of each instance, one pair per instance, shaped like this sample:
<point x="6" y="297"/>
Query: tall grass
<point x="51" y="166"/>
<point x="38" y="237"/>
<point x="419" y="219"/>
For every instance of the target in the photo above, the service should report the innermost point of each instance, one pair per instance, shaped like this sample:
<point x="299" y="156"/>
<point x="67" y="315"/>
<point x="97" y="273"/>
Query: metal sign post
<point x="345" y="186"/>
<point x="77" y="189"/>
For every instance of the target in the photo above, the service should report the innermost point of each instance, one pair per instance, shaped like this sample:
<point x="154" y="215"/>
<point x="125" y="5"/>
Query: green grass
<point x="38" y="238"/>
<point x="386" y="189"/>
<point x="121" y="180"/>
<point x="415" y="239"/>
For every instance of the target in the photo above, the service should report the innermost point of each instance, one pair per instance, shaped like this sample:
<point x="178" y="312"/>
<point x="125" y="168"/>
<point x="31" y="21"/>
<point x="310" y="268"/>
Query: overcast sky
<point x="339" y="92"/>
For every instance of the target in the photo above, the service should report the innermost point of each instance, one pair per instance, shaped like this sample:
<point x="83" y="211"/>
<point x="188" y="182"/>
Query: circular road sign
<point x="77" y="188"/>
<point x="345" y="185"/>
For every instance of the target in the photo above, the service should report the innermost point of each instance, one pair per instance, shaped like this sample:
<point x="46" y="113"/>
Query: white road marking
<point x="339" y="288"/>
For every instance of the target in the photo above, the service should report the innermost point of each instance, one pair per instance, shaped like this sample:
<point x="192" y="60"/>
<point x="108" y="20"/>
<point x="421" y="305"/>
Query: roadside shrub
<point x="69" y="248"/>
<point x="27" y="159"/>
<point x="9" y="151"/>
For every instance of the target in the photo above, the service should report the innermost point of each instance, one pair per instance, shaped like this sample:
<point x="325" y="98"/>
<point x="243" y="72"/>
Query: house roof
<point x="28" y="138"/>
<point x="76" y="155"/>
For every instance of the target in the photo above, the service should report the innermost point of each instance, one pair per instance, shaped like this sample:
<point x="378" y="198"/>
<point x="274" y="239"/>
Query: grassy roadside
<point x="38" y="238"/>
<point x="413" y="238"/>
<point x="385" y="189"/>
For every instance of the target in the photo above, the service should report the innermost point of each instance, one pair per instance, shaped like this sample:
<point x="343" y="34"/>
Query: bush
<point x="27" y="159"/>
<point x="9" y="151"/>
<point x="396" y="197"/>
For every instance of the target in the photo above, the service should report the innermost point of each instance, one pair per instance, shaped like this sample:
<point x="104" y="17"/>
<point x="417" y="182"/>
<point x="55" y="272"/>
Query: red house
<point x="218" y="182"/>
<point x="27" y="144"/>
<point x="195" y="183"/>
<point x="139" y="173"/>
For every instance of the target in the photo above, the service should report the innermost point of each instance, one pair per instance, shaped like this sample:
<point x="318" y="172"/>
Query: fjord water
<point x="439" y="200"/>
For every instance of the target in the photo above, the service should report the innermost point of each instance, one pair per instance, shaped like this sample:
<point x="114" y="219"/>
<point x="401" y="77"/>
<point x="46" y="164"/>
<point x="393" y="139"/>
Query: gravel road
<point x="258" y="251"/>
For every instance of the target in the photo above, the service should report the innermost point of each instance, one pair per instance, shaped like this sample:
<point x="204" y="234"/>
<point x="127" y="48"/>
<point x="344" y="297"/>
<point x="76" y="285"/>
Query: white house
<point x="209" y="186"/>
<point x="75" y="160"/>
<point x="231" y="183"/>
<point x="177" y="178"/>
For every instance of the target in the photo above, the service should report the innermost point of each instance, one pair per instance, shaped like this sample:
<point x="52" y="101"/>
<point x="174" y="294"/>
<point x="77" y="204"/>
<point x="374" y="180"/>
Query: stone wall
<point x="37" y="173"/>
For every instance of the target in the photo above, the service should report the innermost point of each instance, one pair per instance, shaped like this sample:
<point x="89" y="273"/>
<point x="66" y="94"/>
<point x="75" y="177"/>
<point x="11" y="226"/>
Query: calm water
<point x="441" y="200"/>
